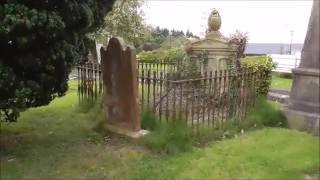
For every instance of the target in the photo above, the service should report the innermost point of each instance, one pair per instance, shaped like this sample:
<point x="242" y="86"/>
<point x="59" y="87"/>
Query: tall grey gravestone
<point x="303" y="109"/>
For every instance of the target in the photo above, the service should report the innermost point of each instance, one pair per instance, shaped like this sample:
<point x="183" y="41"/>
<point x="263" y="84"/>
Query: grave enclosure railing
<point x="208" y="100"/>
<point x="156" y="66"/>
<point x="90" y="84"/>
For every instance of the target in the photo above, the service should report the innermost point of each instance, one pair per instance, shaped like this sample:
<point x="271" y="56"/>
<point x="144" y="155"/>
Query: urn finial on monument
<point x="214" y="21"/>
<point x="219" y="51"/>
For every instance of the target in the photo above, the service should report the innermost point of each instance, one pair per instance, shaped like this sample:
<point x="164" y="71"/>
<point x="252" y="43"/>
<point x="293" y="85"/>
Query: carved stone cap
<point x="214" y="21"/>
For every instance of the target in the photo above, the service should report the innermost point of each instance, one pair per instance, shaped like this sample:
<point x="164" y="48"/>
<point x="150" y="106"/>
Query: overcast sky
<point x="265" y="21"/>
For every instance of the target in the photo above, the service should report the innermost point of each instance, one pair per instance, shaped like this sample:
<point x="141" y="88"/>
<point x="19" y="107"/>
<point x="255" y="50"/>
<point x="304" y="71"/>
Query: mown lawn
<point x="64" y="141"/>
<point x="281" y="83"/>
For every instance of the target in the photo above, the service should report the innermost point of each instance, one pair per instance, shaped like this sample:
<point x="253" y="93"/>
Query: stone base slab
<point x="304" y="95"/>
<point x="281" y="98"/>
<point x="126" y="132"/>
<point x="302" y="120"/>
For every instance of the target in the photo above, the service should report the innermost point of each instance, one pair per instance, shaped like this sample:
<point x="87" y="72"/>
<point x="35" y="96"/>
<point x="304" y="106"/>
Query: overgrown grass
<point x="283" y="75"/>
<point x="166" y="137"/>
<point x="65" y="141"/>
<point x="172" y="137"/>
<point x="266" y="114"/>
<point x="265" y="154"/>
<point x="149" y="121"/>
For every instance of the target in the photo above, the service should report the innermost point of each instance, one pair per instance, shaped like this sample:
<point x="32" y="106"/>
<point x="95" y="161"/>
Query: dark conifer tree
<point x="40" y="41"/>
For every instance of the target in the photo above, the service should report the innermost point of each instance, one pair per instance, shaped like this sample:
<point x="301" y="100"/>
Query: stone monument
<point x="302" y="112"/>
<point x="120" y="88"/>
<point x="219" y="51"/>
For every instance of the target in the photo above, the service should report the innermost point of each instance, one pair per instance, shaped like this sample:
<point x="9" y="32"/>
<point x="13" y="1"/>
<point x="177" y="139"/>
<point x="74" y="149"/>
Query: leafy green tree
<point x="158" y="35"/>
<point x="174" y="42"/>
<point x="176" y="33"/>
<point x="189" y="34"/>
<point x="125" y="20"/>
<point x="40" y="41"/>
<point x="166" y="39"/>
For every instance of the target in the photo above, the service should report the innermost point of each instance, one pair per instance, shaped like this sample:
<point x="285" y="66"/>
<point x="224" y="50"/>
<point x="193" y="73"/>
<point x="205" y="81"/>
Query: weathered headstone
<point x="303" y="111"/>
<point x="120" y="88"/>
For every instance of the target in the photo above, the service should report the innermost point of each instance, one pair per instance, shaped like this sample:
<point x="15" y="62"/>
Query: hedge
<point x="263" y="65"/>
<point x="170" y="55"/>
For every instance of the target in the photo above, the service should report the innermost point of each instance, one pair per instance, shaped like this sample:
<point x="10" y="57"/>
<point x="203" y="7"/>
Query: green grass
<point x="60" y="141"/>
<point x="265" y="154"/>
<point x="281" y="83"/>
<point x="65" y="141"/>
<point x="266" y="114"/>
<point x="169" y="138"/>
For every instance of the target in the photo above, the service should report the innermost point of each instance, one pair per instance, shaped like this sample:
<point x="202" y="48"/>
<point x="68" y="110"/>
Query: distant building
<point x="285" y="62"/>
<point x="271" y="48"/>
<point x="280" y="54"/>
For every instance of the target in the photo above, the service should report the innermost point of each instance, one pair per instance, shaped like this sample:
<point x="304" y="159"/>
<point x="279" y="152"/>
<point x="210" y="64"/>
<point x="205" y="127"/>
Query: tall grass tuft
<point x="166" y="137"/>
<point x="148" y="121"/>
<point x="93" y="108"/>
<point x="266" y="114"/>
<point x="174" y="136"/>
<point x="169" y="138"/>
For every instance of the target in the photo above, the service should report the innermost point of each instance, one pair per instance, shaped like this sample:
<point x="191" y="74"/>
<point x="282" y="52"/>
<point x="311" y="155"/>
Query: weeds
<point x="166" y="137"/>
<point x="174" y="136"/>
<point x="266" y="114"/>
<point x="148" y="121"/>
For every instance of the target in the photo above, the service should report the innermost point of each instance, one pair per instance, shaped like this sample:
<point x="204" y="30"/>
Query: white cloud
<point x="265" y="21"/>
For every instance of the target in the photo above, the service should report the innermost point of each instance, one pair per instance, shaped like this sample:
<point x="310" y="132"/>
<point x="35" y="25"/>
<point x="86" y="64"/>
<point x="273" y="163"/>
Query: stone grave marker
<point x="120" y="88"/>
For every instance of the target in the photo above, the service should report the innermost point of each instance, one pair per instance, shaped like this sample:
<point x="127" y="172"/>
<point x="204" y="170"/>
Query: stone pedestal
<point x="302" y="120"/>
<point x="303" y="110"/>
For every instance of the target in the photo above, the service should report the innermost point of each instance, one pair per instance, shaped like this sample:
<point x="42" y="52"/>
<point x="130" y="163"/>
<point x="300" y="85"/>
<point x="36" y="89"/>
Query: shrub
<point x="149" y="46"/>
<point x="160" y="55"/>
<point x="154" y="55"/>
<point x="173" y="55"/>
<point x="263" y="66"/>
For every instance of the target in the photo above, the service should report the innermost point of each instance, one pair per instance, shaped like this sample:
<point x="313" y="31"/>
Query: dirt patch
<point x="117" y="142"/>
<point x="311" y="177"/>
<point x="10" y="141"/>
